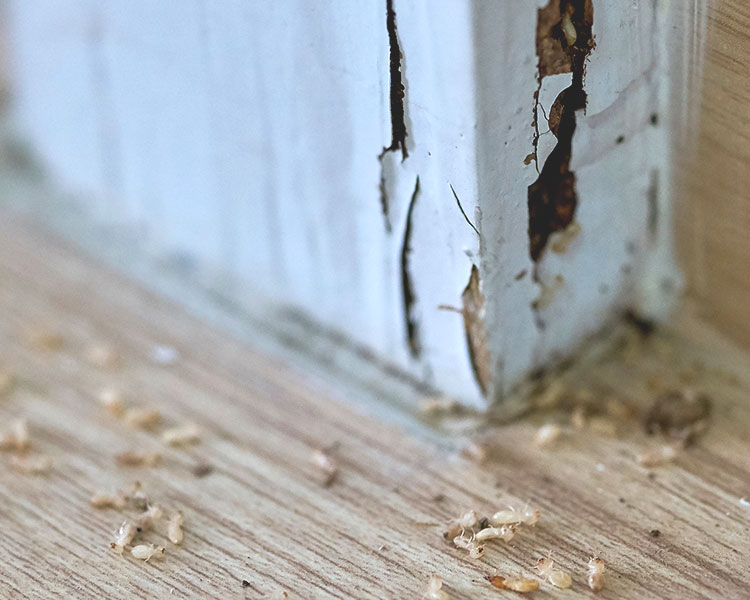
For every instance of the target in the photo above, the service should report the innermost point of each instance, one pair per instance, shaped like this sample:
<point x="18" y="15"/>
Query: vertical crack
<point x="398" y="123"/>
<point x="398" y="111"/>
<point x="407" y="286"/>
<point x="564" y="42"/>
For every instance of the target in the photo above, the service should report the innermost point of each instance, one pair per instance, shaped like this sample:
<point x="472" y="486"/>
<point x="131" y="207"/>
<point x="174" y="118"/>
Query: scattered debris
<point x="111" y="399"/>
<point x="511" y="516"/>
<point x="133" y="459"/>
<point x="434" y="589"/>
<point x="559" y="241"/>
<point x="201" y="470"/>
<point x="596" y="574"/>
<point x="164" y="355"/>
<point x="101" y="355"/>
<point x="551" y="395"/>
<point x="147" y="551"/>
<point x="517" y="584"/>
<point x="547" y="435"/>
<point x="546" y="569"/>
<point x="137" y="497"/>
<point x="744" y="502"/>
<point x="182" y="435"/>
<point x="658" y="456"/>
<point x="654" y="533"/>
<point x="326" y="465"/>
<point x="34" y="465"/>
<point x="245" y="583"/>
<point x="16" y="439"/>
<point x="174" y="531"/>
<point x="476" y="452"/>
<point x="603" y="426"/>
<point x="438" y="405"/>
<point x="142" y="418"/>
<point x="679" y="414"/>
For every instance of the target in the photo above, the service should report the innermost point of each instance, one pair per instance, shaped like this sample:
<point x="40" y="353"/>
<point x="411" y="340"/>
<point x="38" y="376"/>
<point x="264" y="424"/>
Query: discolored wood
<point x="255" y="508"/>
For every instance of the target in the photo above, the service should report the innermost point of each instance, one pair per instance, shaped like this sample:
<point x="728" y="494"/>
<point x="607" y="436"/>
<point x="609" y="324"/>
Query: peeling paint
<point x="476" y="335"/>
<point x="407" y="286"/>
<point x="552" y="198"/>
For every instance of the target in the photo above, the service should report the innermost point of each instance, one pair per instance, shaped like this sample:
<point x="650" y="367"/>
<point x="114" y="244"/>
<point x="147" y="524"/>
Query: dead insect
<point x="547" y="435"/>
<point x="517" y="584"/>
<point x="123" y="536"/>
<point x="183" y="435"/>
<point x="16" y="439"/>
<point x="512" y="516"/>
<point x="33" y="465"/>
<point x="470" y="544"/>
<point x="132" y="459"/>
<point x="136" y="496"/>
<point x="434" y="589"/>
<point x="147" y="551"/>
<point x="326" y="465"/>
<point x="457" y="526"/>
<point x="111" y="399"/>
<point x="505" y="533"/>
<point x="596" y="574"/>
<point x="102" y="501"/>
<point x="567" y="26"/>
<point x="546" y="568"/>
<point x="146" y="521"/>
<point x="142" y="418"/>
<point x="174" y="532"/>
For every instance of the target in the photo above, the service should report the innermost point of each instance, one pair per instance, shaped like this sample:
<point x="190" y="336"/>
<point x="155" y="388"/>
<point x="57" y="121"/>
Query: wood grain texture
<point x="714" y="179"/>
<point x="261" y="515"/>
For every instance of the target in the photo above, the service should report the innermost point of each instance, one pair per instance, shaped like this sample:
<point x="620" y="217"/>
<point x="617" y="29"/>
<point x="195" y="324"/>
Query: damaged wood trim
<point x="476" y="335"/>
<point x="407" y="285"/>
<point x="397" y="93"/>
<point x="564" y="42"/>
<point x="398" y="110"/>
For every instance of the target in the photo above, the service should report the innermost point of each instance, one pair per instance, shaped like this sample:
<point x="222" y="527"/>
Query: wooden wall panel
<point x="713" y="175"/>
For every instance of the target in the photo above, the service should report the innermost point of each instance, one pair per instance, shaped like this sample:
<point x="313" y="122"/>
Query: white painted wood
<point x="246" y="136"/>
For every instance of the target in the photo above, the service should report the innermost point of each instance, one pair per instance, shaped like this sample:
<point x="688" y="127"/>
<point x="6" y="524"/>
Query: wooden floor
<point x="262" y="514"/>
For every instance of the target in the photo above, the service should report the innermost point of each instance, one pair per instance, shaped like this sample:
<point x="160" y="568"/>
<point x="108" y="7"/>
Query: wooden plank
<point x="262" y="515"/>
<point x="714" y="178"/>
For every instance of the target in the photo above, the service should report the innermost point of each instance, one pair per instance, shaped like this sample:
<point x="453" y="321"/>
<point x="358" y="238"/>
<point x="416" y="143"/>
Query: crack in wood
<point x="461" y="208"/>
<point x="407" y="285"/>
<point x="398" y="110"/>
